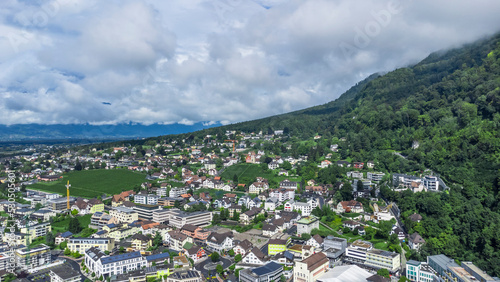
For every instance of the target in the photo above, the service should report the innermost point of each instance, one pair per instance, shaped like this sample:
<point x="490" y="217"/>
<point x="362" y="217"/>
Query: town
<point x="233" y="207"/>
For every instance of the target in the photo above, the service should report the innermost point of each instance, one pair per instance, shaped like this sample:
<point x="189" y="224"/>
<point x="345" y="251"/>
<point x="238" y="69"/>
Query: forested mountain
<point x="450" y="104"/>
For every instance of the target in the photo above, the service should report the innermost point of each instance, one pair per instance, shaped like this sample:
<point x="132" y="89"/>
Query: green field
<point x="93" y="183"/>
<point x="247" y="172"/>
<point x="62" y="226"/>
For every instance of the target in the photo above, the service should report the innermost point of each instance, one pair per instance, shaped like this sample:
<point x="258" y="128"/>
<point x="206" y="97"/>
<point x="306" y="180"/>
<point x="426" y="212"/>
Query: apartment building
<point x="375" y="176"/>
<point x="37" y="230"/>
<point x="146" y="199"/>
<point x="82" y="244"/>
<point x="96" y="261"/>
<point x="123" y="214"/>
<point x="269" y="272"/>
<point x="38" y="256"/>
<point x="163" y="215"/>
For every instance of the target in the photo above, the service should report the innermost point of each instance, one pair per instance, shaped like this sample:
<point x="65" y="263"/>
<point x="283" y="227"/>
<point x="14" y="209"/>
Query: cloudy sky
<point x="186" y="61"/>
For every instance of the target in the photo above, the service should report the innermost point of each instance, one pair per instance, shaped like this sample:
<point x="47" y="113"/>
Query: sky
<point x="219" y="61"/>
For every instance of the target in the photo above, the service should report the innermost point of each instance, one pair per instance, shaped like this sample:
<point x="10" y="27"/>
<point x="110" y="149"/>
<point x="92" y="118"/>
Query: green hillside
<point x="93" y="183"/>
<point x="450" y="104"/>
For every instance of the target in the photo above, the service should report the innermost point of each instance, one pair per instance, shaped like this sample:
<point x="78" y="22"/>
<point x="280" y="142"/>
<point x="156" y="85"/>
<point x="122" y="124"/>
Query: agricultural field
<point x="93" y="183"/>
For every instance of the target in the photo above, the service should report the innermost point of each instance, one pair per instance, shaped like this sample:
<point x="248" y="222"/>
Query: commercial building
<point x="82" y="244"/>
<point x="383" y="259"/>
<point x="267" y="273"/>
<point x="475" y="271"/>
<point x="185" y="276"/>
<point x="38" y="256"/>
<point x="60" y="204"/>
<point x="419" y="272"/>
<point x="163" y="215"/>
<point x="334" y="247"/>
<point x="200" y="218"/>
<point x="123" y="214"/>
<point x="276" y="246"/>
<point x="145" y="212"/>
<point x="64" y="273"/>
<point x="357" y="251"/>
<point x="310" y="269"/>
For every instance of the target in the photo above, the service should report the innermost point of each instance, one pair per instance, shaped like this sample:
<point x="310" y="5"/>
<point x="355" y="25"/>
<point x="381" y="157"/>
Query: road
<point x="201" y="266"/>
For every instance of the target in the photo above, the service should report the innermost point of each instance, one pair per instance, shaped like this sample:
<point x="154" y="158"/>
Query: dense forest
<point x="450" y="104"/>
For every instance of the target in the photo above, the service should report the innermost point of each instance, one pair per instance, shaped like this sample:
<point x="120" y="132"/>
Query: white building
<point x="149" y="199"/>
<point x="101" y="264"/>
<point x="431" y="183"/>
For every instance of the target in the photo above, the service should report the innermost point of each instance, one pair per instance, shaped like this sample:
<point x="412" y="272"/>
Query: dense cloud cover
<point x="185" y="61"/>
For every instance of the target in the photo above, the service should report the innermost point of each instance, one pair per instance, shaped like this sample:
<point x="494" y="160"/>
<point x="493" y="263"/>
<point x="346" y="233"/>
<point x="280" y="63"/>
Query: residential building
<point x="419" y="272"/>
<point x="257" y="187"/>
<point x="82" y="244"/>
<point x="195" y="253"/>
<point x="276" y="246"/>
<point x="64" y="273"/>
<point x="195" y="232"/>
<point x="287" y="184"/>
<point x="415" y="241"/>
<point x="63" y="237"/>
<point x="311" y="268"/>
<point x="218" y="242"/>
<point x="350" y="206"/>
<point x="307" y="224"/>
<point x="282" y="194"/>
<point x="37" y="230"/>
<point x="269" y="230"/>
<point x="100" y="219"/>
<point x="383" y="259"/>
<point x="140" y="242"/>
<point x="185" y="276"/>
<point x="101" y="264"/>
<point x="248" y="216"/>
<point x="315" y="241"/>
<point x="177" y="240"/>
<point x="304" y="208"/>
<point x="375" y="176"/>
<point x="440" y="264"/>
<point x="38" y="256"/>
<point x="431" y="182"/>
<point x="255" y="257"/>
<point x="243" y="247"/>
<point x="177" y="192"/>
<point x="146" y="199"/>
<point x="267" y="273"/>
<point x="123" y="214"/>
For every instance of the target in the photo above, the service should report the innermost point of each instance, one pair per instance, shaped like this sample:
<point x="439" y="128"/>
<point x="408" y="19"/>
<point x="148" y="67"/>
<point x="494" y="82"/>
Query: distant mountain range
<point x="93" y="132"/>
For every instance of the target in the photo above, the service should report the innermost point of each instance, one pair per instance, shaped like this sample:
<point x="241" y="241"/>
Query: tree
<point x="50" y="239"/>
<point x="38" y="206"/>
<point x="67" y="252"/>
<point x="231" y="252"/>
<point x="305" y="236"/>
<point x="74" y="226"/>
<point x="74" y="212"/>
<point x="157" y="240"/>
<point x="121" y="250"/>
<point x="215" y="256"/>
<point x="219" y="269"/>
<point x="237" y="258"/>
<point x="383" y="272"/>
<point x="63" y="245"/>
<point x="78" y="166"/>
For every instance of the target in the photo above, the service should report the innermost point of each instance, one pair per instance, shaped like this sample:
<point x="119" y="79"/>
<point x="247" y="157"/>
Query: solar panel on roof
<point x="120" y="257"/>
<point x="270" y="267"/>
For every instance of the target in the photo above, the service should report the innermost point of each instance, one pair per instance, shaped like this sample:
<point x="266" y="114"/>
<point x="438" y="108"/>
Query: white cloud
<point x="224" y="61"/>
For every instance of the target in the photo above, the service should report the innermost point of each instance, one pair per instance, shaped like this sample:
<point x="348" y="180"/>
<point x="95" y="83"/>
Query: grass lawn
<point x="93" y="183"/>
<point x="62" y="226"/>
<point x="380" y="244"/>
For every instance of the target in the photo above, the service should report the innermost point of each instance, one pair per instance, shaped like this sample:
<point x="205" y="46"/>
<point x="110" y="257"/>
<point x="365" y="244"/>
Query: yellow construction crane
<point x="234" y="141"/>
<point x="67" y="193"/>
